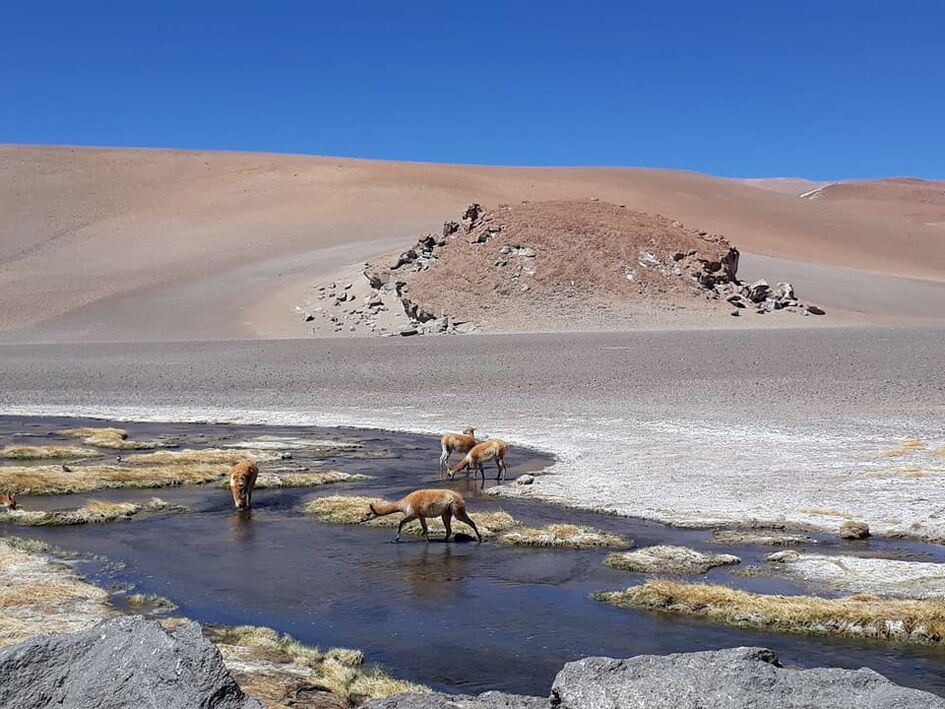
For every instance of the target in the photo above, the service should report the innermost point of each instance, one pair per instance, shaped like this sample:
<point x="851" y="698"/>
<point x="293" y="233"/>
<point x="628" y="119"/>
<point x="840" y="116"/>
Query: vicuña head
<point x="8" y="500"/>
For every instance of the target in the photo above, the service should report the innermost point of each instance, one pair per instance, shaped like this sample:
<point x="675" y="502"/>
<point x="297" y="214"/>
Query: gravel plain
<point x="694" y="428"/>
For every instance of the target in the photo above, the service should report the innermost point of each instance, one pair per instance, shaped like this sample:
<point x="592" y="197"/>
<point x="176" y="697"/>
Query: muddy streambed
<point x="456" y="616"/>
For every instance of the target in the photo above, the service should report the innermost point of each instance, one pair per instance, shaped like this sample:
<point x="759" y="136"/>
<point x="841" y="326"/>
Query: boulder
<point x="854" y="530"/>
<point x="814" y="310"/>
<point x="784" y="292"/>
<point x="525" y="479"/>
<point x="737" y="678"/>
<point x="471" y="215"/>
<point x="758" y="291"/>
<point x="730" y="264"/>
<point x="126" y="662"/>
<point x="450" y="228"/>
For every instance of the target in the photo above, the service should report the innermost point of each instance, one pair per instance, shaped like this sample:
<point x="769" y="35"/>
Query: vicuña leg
<point x="459" y="510"/>
<point x="423" y="526"/>
<point x="400" y="526"/>
<point x="446" y="523"/>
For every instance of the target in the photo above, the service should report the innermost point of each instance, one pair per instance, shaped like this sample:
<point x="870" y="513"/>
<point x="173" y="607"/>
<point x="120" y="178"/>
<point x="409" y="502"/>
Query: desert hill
<point x="907" y="199"/>
<point x="121" y="244"/>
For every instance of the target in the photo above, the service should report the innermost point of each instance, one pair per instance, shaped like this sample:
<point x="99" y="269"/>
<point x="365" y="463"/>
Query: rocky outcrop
<point x="739" y="678"/>
<point x="123" y="663"/>
<point x="510" y="266"/>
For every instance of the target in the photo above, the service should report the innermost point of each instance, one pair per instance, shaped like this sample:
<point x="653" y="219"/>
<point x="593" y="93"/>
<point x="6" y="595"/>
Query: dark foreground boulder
<point x="124" y="663"/>
<point x="725" y="679"/>
<point x="740" y="678"/>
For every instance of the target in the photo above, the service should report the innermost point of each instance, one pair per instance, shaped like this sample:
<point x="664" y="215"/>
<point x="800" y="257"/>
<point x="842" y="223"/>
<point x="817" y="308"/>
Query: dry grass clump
<point x="201" y="455"/>
<point x="760" y="537"/>
<point x="911" y="621"/>
<point x="92" y="512"/>
<point x="39" y="596"/>
<point x="908" y="446"/>
<point x="150" y="602"/>
<point x="277" y="668"/>
<point x="116" y="438"/>
<point x="311" y="479"/>
<point x="50" y="452"/>
<point x="567" y="536"/>
<point x="340" y="509"/>
<point x="53" y="480"/>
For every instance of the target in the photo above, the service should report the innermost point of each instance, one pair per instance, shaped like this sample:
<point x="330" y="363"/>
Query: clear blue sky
<point x="824" y="89"/>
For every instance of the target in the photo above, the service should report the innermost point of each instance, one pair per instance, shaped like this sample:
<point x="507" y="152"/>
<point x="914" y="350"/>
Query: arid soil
<point x="101" y="245"/>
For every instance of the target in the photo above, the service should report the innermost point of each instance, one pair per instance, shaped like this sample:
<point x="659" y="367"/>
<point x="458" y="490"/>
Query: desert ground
<point x="158" y="285"/>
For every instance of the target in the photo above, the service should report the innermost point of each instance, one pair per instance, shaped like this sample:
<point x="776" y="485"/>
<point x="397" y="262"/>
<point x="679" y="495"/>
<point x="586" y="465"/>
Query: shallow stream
<point x="455" y="616"/>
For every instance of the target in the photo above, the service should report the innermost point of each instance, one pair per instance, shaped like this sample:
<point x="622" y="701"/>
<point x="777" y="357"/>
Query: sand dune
<point x="116" y="244"/>
<point x="908" y="199"/>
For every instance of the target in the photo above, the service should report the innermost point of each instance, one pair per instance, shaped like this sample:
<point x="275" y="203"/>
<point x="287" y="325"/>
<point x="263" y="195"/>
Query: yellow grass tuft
<point x="340" y="509"/>
<point x="863" y="615"/>
<point x="38" y="596"/>
<point x="92" y="512"/>
<point x="150" y="601"/>
<point x="53" y="480"/>
<point x="116" y="438"/>
<point x="51" y="452"/>
<point x="567" y="536"/>
<point x="272" y="667"/>
<point x="311" y="479"/>
<point x="201" y="455"/>
<point x="907" y="447"/>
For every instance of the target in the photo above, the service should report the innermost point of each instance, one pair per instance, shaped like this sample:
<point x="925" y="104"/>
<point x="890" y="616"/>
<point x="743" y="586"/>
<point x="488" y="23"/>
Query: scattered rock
<point x="669" y="560"/>
<point x="525" y="479"/>
<point x="758" y="291"/>
<point x="854" y="530"/>
<point x="409" y="332"/>
<point x="450" y="228"/>
<point x="814" y="310"/>
<point x="123" y="663"/>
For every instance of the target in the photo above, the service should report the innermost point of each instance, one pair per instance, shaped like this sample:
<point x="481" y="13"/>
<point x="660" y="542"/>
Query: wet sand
<point x="460" y="617"/>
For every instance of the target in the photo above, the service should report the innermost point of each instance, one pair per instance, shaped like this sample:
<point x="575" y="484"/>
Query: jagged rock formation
<point x="549" y="266"/>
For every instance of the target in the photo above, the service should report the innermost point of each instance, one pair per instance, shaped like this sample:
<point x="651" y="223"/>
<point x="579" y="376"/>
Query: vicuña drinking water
<point x="421" y="504"/>
<point x="493" y="449"/>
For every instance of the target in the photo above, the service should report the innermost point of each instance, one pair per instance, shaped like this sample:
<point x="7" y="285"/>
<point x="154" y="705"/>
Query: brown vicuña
<point x="450" y="442"/>
<point x="242" y="482"/>
<point x="421" y="504"/>
<point x="493" y="449"/>
<point x="8" y="500"/>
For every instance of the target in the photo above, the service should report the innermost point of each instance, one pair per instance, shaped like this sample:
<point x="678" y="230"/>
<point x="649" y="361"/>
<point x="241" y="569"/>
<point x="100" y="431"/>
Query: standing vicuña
<point x="421" y="504"/>
<point x="242" y="482"/>
<point x="450" y="442"/>
<point x="493" y="449"/>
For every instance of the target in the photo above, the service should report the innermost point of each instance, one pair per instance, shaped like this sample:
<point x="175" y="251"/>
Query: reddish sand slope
<point x="111" y="244"/>
<point x="907" y="199"/>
